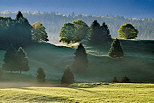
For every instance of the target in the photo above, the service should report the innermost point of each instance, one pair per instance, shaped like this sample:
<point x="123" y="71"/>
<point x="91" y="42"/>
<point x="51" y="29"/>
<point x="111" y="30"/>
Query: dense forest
<point x="53" y="22"/>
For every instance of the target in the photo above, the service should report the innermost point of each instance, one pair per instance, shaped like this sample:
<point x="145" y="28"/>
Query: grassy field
<point x="81" y="93"/>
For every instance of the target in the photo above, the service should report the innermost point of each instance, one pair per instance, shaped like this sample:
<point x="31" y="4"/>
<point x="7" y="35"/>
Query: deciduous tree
<point x="127" y="31"/>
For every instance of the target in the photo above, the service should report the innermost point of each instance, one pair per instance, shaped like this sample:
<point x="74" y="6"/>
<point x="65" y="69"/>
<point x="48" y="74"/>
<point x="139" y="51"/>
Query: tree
<point x="22" y="60"/>
<point x="105" y="32"/>
<point x="10" y="59"/>
<point x="67" y="77"/>
<point x="125" y="80"/>
<point x="15" y="32"/>
<point x="67" y="33"/>
<point x="75" y="31"/>
<point x="127" y="31"/>
<point x="81" y="30"/>
<point x="99" y="34"/>
<point x="38" y="32"/>
<point x="40" y="75"/>
<point x="116" y="50"/>
<point x="115" y="80"/>
<point x="19" y="15"/>
<point x="81" y="62"/>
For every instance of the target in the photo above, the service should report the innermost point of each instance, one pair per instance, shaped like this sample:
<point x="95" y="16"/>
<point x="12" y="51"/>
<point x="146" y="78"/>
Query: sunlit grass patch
<point x="81" y="93"/>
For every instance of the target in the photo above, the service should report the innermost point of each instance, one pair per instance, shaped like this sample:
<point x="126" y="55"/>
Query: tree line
<point x="49" y="19"/>
<point x="78" y="30"/>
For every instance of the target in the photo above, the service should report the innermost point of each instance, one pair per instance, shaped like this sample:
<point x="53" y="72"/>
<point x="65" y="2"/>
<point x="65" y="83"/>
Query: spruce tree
<point x="67" y="77"/>
<point x="116" y="50"/>
<point x="40" y="75"/>
<point x="10" y="59"/>
<point x="99" y="34"/>
<point x="23" y="31"/>
<point x="22" y="60"/>
<point x="94" y="32"/>
<point x="81" y="62"/>
<point x="105" y="32"/>
<point x="19" y="15"/>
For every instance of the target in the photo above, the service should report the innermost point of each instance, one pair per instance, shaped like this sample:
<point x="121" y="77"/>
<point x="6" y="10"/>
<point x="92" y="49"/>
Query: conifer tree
<point x="116" y="50"/>
<point x="22" y="60"/>
<point x="99" y="34"/>
<point x="105" y="32"/>
<point x="22" y="29"/>
<point x="40" y="75"/>
<point x="81" y="62"/>
<point x="67" y="77"/>
<point x="94" y="32"/>
<point x="19" y="15"/>
<point x="10" y="59"/>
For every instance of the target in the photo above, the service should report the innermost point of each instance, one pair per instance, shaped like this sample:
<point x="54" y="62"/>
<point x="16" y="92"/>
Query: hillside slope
<point x="137" y="63"/>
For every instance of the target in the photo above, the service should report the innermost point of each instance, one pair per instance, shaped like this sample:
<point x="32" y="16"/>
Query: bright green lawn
<point x="81" y="93"/>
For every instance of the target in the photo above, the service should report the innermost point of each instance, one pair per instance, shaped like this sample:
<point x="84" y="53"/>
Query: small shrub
<point x="115" y="80"/>
<point x="40" y="75"/>
<point x="67" y="77"/>
<point x="125" y="80"/>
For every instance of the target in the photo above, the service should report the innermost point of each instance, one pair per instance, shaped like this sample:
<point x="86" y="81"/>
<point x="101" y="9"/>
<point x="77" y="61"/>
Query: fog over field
<point x="76" y="51"/>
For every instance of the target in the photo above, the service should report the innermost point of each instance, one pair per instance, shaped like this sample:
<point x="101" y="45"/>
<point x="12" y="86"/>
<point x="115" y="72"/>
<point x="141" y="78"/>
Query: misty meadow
<point x="70" y="57"/>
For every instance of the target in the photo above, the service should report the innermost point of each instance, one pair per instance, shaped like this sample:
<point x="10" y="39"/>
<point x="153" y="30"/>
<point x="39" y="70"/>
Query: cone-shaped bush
<point x="80" y="63"/>
<point x="67" y="77"/>
<point x="125" y="80"/>
<point x="40" y="75"/>
<point x="116" y="50"/>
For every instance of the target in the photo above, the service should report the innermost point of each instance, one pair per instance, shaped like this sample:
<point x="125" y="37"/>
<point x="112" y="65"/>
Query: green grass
<point x="81" y="93"/>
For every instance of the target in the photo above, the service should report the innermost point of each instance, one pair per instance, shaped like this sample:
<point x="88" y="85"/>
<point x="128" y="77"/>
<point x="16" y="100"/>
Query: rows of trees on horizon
<point x="54" y="21"/>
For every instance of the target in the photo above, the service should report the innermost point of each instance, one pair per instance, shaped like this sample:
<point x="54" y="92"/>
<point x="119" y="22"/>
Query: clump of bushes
<point x="123" y="80"/>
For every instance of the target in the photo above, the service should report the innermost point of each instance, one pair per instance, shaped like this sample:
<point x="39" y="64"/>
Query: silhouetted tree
<point x="22" y="31"/>
<point x="99" y="34"/>
<point x="115" y="80"/>
<point x="105" y="32"/>
<point x="127" y="31"/>
<point x="125" y="80"/>
<point x="22" y="60"/>
<point x="116" y="50"/>
<point x="19" y="15"/>
<point x="81" y="62"/>
<point x="38" y="32"/>
<point x="10" y="59"/>
<point x="94" y="32"/>
<point x="67" y="77"/>
<point x="40" y="75"/>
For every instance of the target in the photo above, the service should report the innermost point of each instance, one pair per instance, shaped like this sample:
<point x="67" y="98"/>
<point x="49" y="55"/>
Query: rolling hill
<point x="137" y="63"/>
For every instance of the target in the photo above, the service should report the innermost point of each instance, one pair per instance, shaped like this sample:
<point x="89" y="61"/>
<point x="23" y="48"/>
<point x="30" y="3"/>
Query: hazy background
<point x="127" y="8"/>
